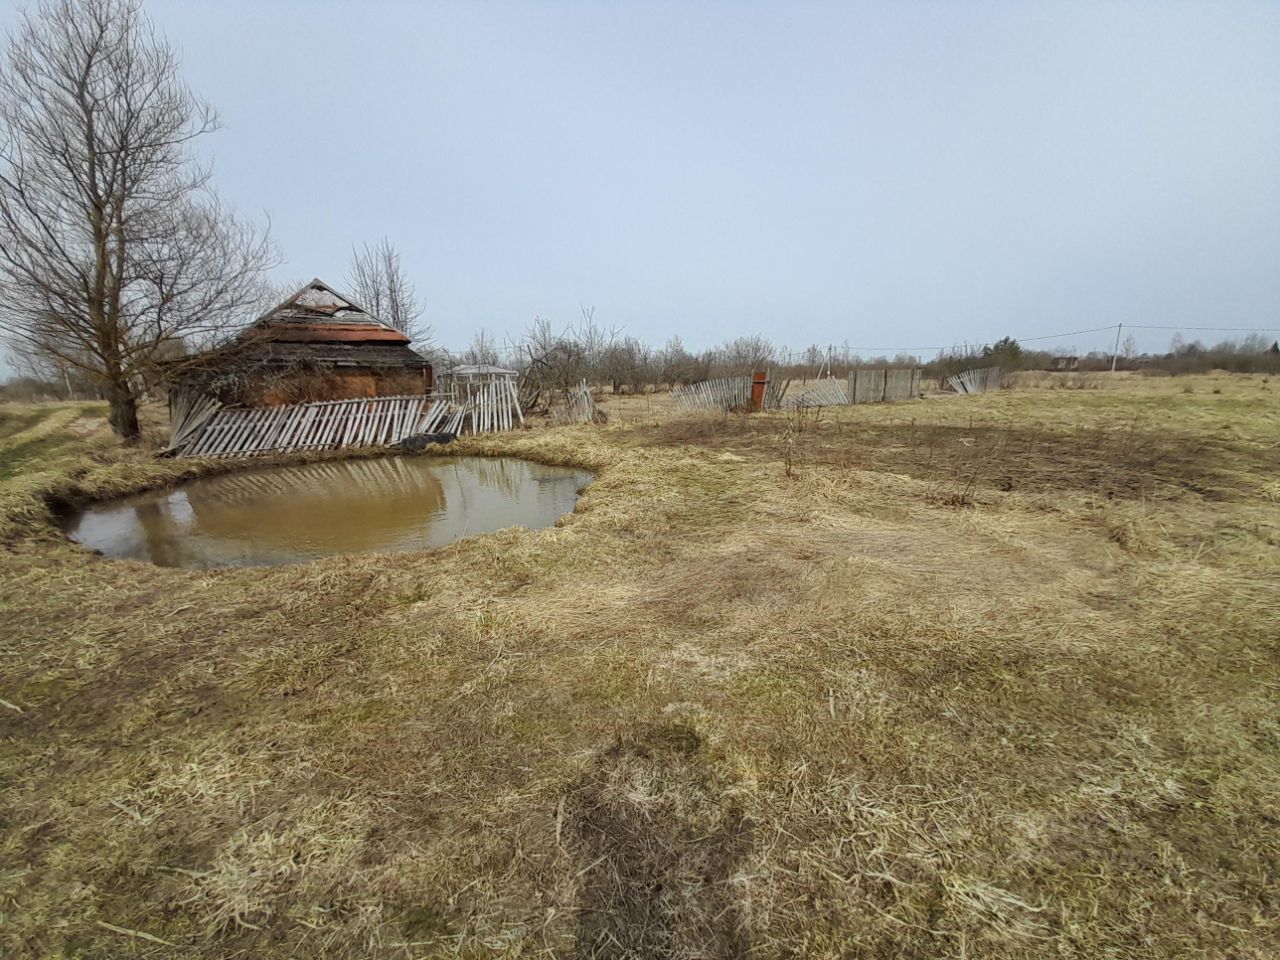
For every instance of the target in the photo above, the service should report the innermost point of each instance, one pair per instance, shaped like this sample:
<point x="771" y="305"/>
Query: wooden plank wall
<point x="898" y="384"/>
<point x="884" y="384"/>
<point x="866" y="386"/>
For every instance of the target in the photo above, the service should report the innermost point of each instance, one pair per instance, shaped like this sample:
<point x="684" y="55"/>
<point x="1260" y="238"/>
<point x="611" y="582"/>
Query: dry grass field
<point x="965" y="677"/>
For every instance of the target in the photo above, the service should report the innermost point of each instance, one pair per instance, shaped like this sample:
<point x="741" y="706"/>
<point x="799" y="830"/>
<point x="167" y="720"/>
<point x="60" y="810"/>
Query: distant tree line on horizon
<point x="606" y="357"/>
<point x="587" y="350"/>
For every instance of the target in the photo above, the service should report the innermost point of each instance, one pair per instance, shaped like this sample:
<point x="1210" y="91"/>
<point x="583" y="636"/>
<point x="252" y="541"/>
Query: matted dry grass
<point x="983" y="677"/>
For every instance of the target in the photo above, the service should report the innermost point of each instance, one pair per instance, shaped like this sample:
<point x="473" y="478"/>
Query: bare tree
<point x="675" y="362"/>
<point x="483" y="349"/>
<point x="551" y="364"/>
<point x="595" y="340"/>
<point x="379" y="284"/>
<point x="114" y="251"/>
<point x="627" y="362"/>
<point x="746" y="354"/>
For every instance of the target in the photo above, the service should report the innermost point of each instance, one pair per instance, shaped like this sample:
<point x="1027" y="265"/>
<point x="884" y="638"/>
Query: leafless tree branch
<point x="115" y="253"/>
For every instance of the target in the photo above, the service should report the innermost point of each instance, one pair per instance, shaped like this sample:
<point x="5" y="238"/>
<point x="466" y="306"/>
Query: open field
<point x="970" y="677"/>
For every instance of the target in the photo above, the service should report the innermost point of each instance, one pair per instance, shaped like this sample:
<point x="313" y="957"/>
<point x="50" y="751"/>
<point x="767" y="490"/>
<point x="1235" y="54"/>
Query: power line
<point x="1073" y="333"/>
<point x="1148" y="326"/>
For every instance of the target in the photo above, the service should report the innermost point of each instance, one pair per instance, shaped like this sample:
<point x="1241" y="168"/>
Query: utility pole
<point x="1116" y="351"/>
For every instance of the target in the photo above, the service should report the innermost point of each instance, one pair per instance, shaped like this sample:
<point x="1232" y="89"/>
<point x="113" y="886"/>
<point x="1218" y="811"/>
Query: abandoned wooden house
<point x="316" y="345"/>
<point x="319" y="372"/>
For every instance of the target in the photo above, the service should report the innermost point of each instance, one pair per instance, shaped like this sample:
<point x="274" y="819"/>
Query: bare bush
<point x="745" y="354"/>
<point x="483" y="349"/>
<point x="379" y="284"/>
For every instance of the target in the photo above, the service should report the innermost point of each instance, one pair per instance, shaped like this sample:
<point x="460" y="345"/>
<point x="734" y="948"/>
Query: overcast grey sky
<point x="887" y="174"/>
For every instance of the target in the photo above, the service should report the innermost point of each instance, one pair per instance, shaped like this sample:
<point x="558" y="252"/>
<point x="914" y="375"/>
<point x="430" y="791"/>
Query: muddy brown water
<point x="300" y="513"/>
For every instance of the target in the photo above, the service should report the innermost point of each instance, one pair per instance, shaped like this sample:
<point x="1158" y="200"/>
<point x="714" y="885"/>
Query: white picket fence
<point x="492" y="404"/>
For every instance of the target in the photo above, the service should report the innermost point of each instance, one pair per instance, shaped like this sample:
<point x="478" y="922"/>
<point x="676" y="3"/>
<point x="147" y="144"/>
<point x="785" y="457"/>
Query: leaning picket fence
<point x="198" y="431"/>
<point x="576" y="406"/>
<point x="828" y="392"/>
<point x="725" y="394"/>
<point x="975" y="381"/>
<point x="491" y="405"/>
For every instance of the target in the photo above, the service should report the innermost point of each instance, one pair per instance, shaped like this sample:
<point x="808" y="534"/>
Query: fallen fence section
<point x="246" y="432"/>
<point x="725" y="394"/>
<point x="975" y="381"/>
<point x="821" y="393"/>
<point x="189" y="412"/>
<point x="578" y="406"/>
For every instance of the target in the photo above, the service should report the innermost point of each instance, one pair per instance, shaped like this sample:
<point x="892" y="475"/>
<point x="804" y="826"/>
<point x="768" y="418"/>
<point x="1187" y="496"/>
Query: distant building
<point x="1065" y="363"/>
<point x="316" y="345"/>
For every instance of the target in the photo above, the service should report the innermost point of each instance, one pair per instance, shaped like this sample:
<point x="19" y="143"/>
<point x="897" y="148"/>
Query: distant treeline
<point x="557" y="361"/>
<point x="626" y="364"/>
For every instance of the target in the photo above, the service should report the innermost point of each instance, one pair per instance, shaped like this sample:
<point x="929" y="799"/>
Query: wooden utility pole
<point x="1116" y="351"/>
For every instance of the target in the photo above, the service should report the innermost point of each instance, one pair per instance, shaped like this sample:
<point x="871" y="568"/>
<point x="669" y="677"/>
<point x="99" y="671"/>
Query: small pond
<point x="300" y="513"/>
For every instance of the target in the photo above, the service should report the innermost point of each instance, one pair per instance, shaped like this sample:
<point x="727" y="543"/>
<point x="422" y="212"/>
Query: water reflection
<point x="296" y="514"/>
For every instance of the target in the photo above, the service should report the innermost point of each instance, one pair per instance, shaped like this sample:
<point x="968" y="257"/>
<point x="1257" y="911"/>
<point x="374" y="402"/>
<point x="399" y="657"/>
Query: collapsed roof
<point x="318" y="313"/>
<point x="321" y="325"/>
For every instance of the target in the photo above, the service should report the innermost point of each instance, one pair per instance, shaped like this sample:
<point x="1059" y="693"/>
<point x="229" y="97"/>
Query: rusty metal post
<point x="758" y="381"/>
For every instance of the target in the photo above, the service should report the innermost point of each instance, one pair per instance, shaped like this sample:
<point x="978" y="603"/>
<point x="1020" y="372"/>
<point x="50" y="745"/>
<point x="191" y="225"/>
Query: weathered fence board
<point x="243" y="432"/>
<point x="210" y="430"/>
<point x="725" y="394"/>
<point x="821" y="393"/>
<point x="884" y="385"/>
<point x="898" y="384"/>
<point x="975" y="381"/>
<point x="577" y="407"/>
